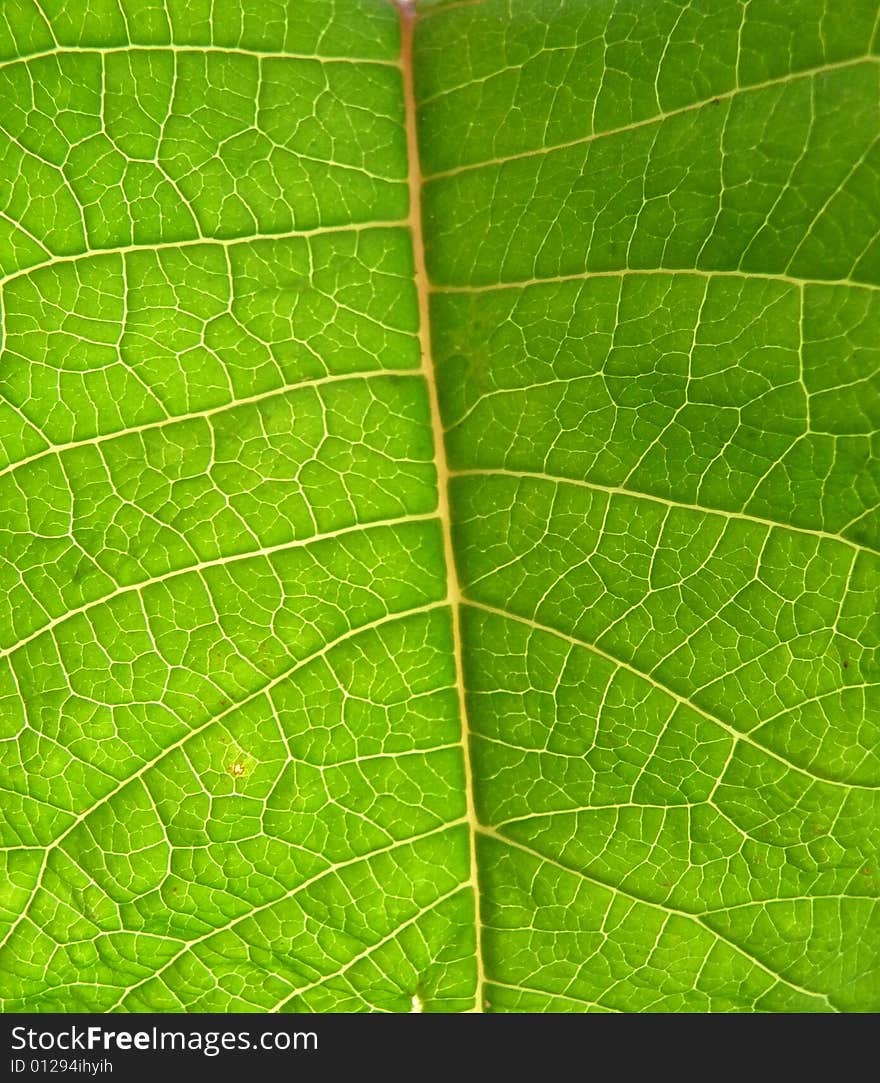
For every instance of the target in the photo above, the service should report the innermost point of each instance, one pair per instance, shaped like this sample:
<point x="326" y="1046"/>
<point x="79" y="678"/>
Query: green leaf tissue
<point x="440" y="506"/>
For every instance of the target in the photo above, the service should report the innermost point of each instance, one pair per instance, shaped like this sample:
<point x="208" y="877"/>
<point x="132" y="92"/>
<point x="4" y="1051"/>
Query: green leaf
<point x="439" y="580"/>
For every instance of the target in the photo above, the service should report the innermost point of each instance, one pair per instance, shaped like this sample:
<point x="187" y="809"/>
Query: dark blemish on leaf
<point x="846" y="663"/>
<point x="716" y="101"/>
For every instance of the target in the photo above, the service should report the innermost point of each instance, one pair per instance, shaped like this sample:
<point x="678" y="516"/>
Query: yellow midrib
<point x="453" y="590"/>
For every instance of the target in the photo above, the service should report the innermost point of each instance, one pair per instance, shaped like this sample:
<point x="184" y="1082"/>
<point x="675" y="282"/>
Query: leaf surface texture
<point x="442" y="578"/>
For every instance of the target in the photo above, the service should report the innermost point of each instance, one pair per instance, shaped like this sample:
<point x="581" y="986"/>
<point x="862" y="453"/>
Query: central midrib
<point x="453" y="589"/>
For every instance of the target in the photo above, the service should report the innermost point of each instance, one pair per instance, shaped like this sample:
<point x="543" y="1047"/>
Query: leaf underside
<point x="261" y="732"/>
